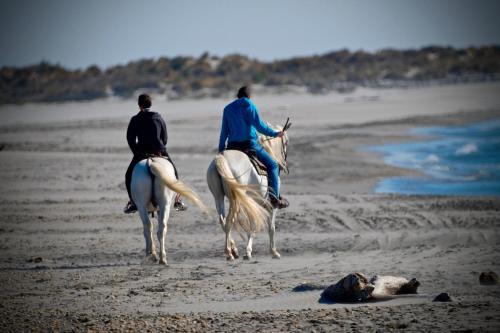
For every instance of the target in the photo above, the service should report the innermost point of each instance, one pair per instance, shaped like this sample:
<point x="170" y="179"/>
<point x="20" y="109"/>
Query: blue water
<point x="462" y="160"/>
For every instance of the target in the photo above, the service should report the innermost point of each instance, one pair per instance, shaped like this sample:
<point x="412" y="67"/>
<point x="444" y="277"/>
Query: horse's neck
<point x="275" y="151"/>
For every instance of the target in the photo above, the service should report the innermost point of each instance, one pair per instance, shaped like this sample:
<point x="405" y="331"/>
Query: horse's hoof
<point x="234" y="252"/>
<point x="150" y="259"/>
<point x="230" y="258"/>
<point x="247" y="257"/>
<point x="163" y="262"/>
<point x="276" y="255"/>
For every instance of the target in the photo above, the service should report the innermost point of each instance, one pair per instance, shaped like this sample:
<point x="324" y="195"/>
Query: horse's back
<point x="241" y="168"/>
<point x="240" y="165"/>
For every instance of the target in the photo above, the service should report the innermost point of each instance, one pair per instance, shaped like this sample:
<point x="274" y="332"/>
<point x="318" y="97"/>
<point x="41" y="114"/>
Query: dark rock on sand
<point x="488" y="278"/>
<point x="132" y="293"/>
<point x="443" y="297"/>
<point x="35" y="260"/>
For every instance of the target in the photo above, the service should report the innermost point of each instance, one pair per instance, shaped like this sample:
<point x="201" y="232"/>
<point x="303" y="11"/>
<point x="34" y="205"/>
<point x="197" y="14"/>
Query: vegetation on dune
<point x="181" y="77"/>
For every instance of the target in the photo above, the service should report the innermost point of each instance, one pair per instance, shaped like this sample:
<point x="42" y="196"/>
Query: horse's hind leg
<point x="228" y="249"/>
<point x="248" y="250"/>
<point x="163" y="215"/>
<point x="148" y="233"/>
<point x="272" y="229"/>
<point x="219" y="205"/>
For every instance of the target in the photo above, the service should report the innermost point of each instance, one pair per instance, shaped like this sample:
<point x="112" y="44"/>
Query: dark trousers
<point x="136" y="159"/>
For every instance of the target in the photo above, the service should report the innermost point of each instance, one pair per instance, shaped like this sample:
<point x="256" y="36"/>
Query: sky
<point x="77" y="34"/>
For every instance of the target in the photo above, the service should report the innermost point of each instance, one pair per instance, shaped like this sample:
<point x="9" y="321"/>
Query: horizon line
<point x="213" y="55"/>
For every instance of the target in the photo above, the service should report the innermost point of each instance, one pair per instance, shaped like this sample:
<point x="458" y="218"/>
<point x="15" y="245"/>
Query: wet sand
<point x="71" y="260"/>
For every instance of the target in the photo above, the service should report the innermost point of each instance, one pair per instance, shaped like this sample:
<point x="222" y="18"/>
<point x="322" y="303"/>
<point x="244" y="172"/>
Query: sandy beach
<point x="70" y="260"/>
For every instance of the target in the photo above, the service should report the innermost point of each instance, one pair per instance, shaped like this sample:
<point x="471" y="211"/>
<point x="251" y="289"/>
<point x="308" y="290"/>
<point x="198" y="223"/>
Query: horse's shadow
<point x="324" y="300"/>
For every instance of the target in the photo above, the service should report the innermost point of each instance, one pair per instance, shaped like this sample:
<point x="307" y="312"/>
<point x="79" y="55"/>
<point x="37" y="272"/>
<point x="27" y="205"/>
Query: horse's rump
<point x="174" y="184"/>
<point x="248" y="209"/>
<point x="158" y="169"/>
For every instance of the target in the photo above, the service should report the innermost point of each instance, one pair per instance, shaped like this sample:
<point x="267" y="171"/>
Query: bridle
<point x="284" y="145"/>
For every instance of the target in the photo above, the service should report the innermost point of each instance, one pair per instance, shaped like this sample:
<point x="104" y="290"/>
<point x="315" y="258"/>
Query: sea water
<point x="456" y="160"/>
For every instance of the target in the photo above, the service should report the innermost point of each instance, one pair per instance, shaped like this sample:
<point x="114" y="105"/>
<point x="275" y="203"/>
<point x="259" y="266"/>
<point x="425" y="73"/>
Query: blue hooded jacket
<point x="240" y="122"/>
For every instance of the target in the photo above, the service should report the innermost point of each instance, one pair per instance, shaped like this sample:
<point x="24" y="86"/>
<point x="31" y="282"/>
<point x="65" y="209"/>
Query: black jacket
<point x="147" y="133"/>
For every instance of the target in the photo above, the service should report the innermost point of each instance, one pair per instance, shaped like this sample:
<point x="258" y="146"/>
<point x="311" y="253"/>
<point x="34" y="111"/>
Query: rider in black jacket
<point x="147" y="136"/>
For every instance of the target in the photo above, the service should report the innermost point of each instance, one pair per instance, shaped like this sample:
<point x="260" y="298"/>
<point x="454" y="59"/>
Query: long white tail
<point x="174" y="184"/>
<point x="247" y="208"/>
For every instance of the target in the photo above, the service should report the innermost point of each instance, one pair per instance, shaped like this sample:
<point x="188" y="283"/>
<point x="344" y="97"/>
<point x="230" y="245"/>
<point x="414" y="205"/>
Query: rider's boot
<point x="279" y="203"/>
<point x="130" y="208"/>
<point x="179" y="205"/>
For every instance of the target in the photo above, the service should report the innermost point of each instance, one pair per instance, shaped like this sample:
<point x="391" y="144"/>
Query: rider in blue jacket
<point x="240" y="124"/>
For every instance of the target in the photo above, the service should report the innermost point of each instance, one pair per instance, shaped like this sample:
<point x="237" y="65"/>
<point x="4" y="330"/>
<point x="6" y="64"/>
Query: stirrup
<point x="180" y="206"/>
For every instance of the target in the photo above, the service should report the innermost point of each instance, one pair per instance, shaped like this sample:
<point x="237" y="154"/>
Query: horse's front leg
<point x="163" y="215"/>
<point x="148" y="233"/>
<point x="272" y="229"/>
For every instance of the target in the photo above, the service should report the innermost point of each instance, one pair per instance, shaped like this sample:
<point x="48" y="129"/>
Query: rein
<point x="285" y="155"/>
<point x="287" y="125"/>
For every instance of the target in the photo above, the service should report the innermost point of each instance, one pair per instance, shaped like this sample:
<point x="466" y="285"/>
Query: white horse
<point x="155" y="178"/>
<point x="232" y="175"/>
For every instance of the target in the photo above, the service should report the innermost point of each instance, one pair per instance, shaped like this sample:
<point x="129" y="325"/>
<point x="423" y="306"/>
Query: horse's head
<point x="276" y="147"/>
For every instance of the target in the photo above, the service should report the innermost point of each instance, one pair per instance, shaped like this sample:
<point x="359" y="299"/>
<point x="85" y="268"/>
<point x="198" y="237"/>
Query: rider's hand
<point x="280" y="134"/>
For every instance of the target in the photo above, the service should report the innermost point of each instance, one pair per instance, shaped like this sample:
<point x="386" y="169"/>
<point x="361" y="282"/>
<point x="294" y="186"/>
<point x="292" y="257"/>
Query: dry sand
<point x="71" y="260"/>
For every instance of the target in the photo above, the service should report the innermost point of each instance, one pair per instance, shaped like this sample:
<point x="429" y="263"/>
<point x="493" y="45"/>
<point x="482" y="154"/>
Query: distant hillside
<point x="182" y="77"/>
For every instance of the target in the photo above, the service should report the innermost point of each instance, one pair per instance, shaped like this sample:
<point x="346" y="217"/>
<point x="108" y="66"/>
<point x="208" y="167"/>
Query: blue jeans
<point x="272" y="168"/>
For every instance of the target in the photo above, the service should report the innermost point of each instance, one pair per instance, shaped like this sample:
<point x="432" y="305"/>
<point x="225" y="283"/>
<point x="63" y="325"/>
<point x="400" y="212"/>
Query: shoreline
<point x="420" y="136"/>
<point x="349" y="142"/>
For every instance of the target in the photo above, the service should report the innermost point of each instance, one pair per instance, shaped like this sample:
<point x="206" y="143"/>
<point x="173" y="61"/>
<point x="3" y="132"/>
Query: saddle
<point x="243" y="147"/>
<point x="258" y="165"/>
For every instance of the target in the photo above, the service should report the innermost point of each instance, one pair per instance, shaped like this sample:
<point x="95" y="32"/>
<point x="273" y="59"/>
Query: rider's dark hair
<point x="144" y="101"/>
<point x="244" y="92"/>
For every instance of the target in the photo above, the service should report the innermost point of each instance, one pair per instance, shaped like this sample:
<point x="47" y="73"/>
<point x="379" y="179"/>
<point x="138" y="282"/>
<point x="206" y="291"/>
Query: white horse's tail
<point x="247" y="208"/>
<point x="174" y="184"/>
